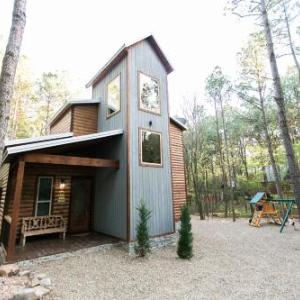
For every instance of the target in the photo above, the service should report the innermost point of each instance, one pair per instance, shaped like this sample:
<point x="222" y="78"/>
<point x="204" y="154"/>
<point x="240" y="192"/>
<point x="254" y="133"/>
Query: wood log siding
<point x="28" y="199"/>
<point x="85" y="119"/>
<point x="79" y="119"/>
<point x="178" y="171"/>
<point x="63" y="124"/>
<point x="4" y="174"/>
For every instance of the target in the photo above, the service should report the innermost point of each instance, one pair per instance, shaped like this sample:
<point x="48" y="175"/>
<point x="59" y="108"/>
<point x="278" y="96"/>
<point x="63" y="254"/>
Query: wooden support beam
<point x="42" y="158"/>
<point x="15" y="209"/>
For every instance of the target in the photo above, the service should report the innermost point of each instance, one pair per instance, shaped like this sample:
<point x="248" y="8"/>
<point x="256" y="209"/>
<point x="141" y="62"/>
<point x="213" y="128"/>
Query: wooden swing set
<point x="264" y="207"/>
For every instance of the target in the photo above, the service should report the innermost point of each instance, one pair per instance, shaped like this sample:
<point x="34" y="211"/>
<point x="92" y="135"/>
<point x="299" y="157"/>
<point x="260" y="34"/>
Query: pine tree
<point x="143" y="243"/>
<point x="185" y="243"/>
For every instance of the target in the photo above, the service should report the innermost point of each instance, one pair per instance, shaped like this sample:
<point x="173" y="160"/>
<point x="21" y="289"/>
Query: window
<point x="44" y="196"/>
<point x="149" y="93"/>
<point x="150" y="143"/>
<point x="113" y="101"/>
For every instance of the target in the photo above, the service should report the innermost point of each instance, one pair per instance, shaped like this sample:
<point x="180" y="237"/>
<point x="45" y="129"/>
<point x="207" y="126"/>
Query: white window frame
<point x="44" y="201"/>
<point x="148" y="164"/>
<point x="106" y="101"/>
<point x="140" y="94"/>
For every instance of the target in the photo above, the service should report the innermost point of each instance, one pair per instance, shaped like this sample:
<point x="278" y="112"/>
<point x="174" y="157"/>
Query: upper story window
<point x="150" y="148"/>
<point x="149" y="93"/>
<point x="113" y="101"/>
<point x="44" y="196"/>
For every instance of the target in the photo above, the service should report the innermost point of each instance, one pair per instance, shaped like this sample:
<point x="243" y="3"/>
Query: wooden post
<point x="15" y="209"/>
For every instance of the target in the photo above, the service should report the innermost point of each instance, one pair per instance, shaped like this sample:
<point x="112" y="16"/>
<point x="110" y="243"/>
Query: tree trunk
<point x="291" y="44"/>
<point x="269" y="143"/>
<point x="195" y="175"/>
<point x="279" y="99"/>
<point x="224" y="180"/>
<point x="244" y="157"/>
<point x="214" y="189"/>
<point x="9" y="66"/>
<point x="233" y="187"/>
<point x="198" y="200"/>
<point x="228" y="161"/>
<point x="12" y="131"/>
<point x="206" y="193"/>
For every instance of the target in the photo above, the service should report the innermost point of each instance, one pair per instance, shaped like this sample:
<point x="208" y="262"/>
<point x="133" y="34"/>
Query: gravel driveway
<point x="231" y="261"/>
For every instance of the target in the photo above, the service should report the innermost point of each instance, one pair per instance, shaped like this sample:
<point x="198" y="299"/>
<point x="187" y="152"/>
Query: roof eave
<point x="122" y="52"/>
<point x="68" y="104"/>
<point x="17" y="150"/>
<point x="19" y="142"/>
<point x="160" y="54"/>
<point x="178" y="123"/>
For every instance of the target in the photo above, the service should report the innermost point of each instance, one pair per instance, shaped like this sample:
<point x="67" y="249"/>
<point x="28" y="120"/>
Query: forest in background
<point x="35" y="99"/>
<point x="243" y="138"/>
<point x="234" y="145"/>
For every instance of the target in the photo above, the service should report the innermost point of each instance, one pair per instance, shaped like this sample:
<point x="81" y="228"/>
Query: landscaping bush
<point x="185" y="242"/>
<point x="142" y="246"/>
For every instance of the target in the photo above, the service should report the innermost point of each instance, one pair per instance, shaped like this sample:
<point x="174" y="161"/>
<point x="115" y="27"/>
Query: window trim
<point x="37" y="195"/>
<point x="139" y="94"/>
<point x="106" y="97"/>
<point x="147" y="164"/>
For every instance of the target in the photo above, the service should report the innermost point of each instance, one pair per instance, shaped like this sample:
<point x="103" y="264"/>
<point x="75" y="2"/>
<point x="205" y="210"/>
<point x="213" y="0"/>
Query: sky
<point x="79" y="36"/>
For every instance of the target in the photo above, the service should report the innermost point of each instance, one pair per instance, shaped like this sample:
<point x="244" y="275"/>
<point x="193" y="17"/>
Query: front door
<point x="80" y="208"/>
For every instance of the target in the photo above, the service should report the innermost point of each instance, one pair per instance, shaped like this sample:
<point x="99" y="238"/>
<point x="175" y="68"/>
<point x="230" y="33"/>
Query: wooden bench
<point x="42" y="225"/>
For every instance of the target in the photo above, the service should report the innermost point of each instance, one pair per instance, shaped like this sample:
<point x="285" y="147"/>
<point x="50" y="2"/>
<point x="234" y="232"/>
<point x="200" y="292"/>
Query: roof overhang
<point x="118" y="56"/>
<point x="69" y="104"/>
<point x="178" y="123"/>
<point x="122" y="52"/>
<point x="19" y="142"/>
<point x="257" y="197"/>
<point x="12" y="151"/>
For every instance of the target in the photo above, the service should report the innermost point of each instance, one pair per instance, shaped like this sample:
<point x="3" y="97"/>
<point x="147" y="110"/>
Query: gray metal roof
<point x="13" y="150"/>
<point x="123" y="51"/>
<point x="68" y="104"/>
<point x="19" y="142"/>
<point x="177" y="122"/>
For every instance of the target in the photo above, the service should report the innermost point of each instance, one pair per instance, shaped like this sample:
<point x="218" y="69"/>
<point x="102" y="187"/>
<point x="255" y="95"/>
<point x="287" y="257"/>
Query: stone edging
<point x="156" y="242"/>
<point x="59" y="256"/>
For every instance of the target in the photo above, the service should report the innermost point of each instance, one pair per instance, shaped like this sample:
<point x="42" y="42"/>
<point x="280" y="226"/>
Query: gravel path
<point x="231" y="261"/>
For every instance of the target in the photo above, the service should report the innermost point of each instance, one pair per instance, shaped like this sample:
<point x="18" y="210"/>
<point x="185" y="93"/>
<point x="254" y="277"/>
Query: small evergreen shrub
<point x="142" y="247"/>
<point x="185" y="242"/>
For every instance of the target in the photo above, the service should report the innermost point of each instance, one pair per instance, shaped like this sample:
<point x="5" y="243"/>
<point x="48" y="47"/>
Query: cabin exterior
<point x="102" y="157"/>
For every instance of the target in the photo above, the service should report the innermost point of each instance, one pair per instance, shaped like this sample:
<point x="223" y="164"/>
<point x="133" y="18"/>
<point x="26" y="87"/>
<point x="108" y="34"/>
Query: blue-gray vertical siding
<point x="152" y="184"/>
<point x="110" y="208"/>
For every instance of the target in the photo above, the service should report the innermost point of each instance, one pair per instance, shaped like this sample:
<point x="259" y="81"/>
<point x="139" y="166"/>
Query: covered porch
<point x="50" y="245"/>
<point x="50" y="193"/>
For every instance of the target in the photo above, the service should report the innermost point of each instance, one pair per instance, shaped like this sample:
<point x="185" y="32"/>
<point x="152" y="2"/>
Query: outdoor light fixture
<point x="150" y="123"/>
<point x="62" y="184"/>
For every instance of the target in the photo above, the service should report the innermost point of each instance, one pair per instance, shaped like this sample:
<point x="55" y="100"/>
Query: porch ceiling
<point x="57" y="145"/>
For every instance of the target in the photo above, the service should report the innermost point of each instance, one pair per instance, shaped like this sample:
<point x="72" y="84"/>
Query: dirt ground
<point x="231" y="261"/>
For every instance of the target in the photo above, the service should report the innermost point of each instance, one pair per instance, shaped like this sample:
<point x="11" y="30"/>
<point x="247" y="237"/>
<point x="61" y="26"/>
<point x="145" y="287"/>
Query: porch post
<point x="15" y="209"/>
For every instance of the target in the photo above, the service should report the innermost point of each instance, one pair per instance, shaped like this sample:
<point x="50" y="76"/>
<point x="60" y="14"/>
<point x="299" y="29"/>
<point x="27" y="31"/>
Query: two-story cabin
<point x="103" y="157"/>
